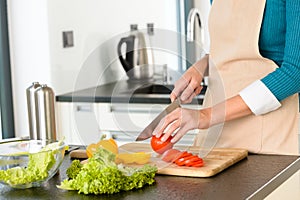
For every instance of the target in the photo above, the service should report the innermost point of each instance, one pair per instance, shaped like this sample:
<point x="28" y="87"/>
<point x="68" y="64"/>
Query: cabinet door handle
<point x="124" y="109"/>
<point x="84" y="108"/>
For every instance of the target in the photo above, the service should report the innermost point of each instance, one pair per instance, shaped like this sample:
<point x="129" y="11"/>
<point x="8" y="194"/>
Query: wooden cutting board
<point x="216" y="161"/>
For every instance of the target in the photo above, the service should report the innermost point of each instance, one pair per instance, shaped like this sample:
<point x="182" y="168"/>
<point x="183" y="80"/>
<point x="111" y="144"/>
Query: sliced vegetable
<point x="125" y="158"/>
<point x="182" y="158"/>
<point x="108" y="144"/>
<point x="159" y="146"/>
<point x="192" y="158"/>
<point x="171" y="155"/>
<point x="190" y="161"/>
<point x="185" y="154"/>
<point x="198" y="163"/>
<point x="179" y="162"/>
<point x="131" y="158"/>
<point x="91" y="149"/>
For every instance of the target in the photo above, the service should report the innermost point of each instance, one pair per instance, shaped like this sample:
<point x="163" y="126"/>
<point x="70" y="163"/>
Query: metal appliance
<point x="45" y="113"/>
<point x="41" y="112"/>
<point x="138" y="61"/>
<point x="32" y="109"/>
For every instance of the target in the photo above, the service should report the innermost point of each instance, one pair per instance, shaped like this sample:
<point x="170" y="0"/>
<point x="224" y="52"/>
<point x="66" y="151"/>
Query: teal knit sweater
<point x="280" y="41"/>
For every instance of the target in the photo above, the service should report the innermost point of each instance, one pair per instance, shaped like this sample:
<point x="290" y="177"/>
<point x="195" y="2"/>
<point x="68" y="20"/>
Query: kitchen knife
<point x="147" y="132"/>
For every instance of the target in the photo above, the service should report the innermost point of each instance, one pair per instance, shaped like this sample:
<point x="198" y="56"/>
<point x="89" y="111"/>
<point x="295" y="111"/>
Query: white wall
<point x="95" y="23"/>
<point x="30" y="56"/>
<point x="36" y="40"/>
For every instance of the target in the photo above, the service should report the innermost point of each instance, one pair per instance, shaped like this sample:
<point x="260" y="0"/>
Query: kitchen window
<point x="6" y="101"/>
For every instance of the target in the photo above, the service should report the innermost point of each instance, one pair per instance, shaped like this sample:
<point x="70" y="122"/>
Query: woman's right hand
<point x="189" y="84"/>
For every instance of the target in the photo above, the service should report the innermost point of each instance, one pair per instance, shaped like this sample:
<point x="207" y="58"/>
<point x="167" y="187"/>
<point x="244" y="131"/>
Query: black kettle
<point x="138" y="61"/>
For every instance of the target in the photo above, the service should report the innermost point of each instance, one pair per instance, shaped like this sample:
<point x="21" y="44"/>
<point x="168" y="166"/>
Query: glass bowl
<point x="29" y="163"/>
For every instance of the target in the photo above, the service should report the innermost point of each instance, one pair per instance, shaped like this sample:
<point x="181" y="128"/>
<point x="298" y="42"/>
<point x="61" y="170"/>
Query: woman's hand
<point x="189" y="85"/>
<point x="182" y="120"/>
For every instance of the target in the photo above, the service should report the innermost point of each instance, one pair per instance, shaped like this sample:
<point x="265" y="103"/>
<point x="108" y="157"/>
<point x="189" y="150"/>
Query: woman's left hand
<point x="181" y="120"/>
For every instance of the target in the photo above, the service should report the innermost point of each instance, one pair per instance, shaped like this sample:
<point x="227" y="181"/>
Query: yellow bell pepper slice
<point x="133" y="158"/>
<point x="108" y="144"/>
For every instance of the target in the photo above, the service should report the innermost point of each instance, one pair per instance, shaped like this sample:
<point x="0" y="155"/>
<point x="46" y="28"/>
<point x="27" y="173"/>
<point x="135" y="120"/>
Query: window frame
<point x="6" y="98"/>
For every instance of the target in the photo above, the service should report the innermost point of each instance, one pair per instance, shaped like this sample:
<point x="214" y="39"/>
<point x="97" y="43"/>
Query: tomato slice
<point x="193" y="158"/>
<point x="191" y="163"/>
<point x="171" y="155"/>
<point x="189" y="160"/>
<point x="183" y="155"/>
<point x="198" y="164"/>
<point x="180" y="162"/>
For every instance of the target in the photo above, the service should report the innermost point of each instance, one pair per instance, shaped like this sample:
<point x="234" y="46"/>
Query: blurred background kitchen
<point x="50" y="41"/>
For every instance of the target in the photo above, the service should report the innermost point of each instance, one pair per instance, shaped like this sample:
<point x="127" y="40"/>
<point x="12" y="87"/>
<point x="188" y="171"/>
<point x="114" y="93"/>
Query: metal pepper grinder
<point x="45" y="113"/>
<point x="31" y="109"/>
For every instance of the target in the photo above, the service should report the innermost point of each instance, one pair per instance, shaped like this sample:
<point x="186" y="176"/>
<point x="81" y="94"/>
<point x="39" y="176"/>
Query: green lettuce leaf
<point x="37" y="169"/>
<point x="74" y="169"/>
<point x="101" y="175"/>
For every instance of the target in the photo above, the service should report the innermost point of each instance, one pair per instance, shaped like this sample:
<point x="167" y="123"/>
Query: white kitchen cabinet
<point x="84" y="123"/>
<point x="290" y="189"/>
<point x="126" y="117"/>
<point x="125" y="121"/>
<point x="76" y="122"/>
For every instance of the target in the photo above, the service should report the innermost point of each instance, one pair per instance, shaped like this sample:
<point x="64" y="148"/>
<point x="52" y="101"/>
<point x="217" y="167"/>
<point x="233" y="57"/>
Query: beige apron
<point x="235" y="62"/>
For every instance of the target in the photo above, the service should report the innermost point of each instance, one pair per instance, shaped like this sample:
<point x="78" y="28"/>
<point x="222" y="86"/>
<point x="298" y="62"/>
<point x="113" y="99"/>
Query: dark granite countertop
<point x="254" y="178"/>
<point x="125" y="92"/>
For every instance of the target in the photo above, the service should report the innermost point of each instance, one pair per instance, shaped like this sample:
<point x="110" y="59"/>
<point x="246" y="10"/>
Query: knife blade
<point x="147" y="132"/>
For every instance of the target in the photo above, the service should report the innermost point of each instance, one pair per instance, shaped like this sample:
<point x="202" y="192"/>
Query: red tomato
<point x="160" y="147"/>
<point x="171" y="155"/>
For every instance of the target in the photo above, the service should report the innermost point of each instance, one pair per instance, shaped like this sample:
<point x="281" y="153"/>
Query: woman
<point x="257" y="100"/>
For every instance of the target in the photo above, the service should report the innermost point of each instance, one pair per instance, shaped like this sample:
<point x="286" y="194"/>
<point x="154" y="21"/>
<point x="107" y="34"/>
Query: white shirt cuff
<point x="259" y="98"/>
